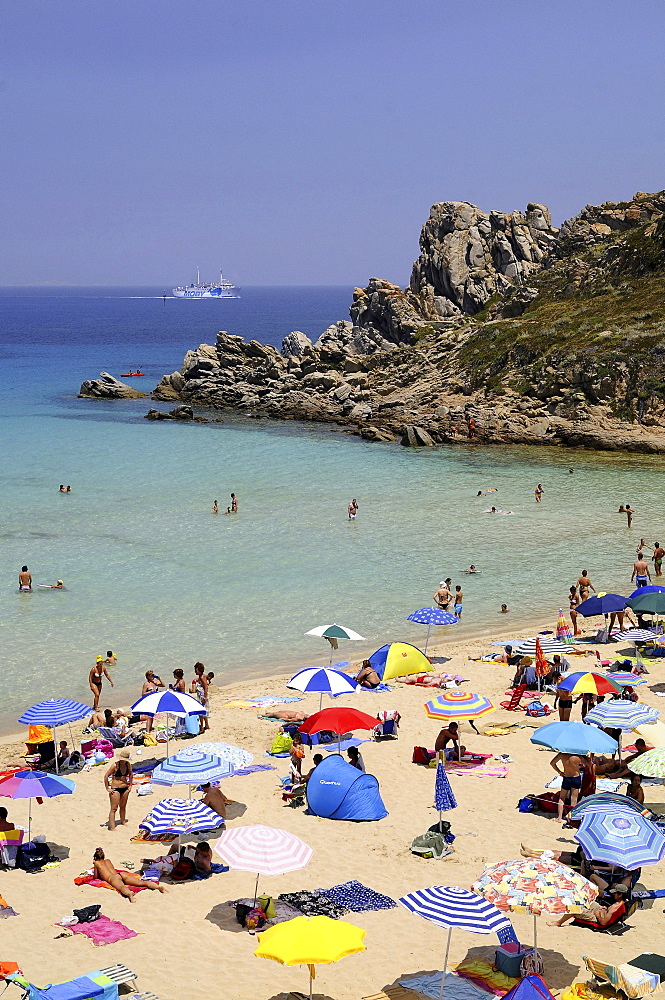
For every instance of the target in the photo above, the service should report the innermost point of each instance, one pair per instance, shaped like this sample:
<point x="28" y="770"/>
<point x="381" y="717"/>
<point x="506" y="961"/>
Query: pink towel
<point x="104" y="931"/>
<point x="480" y="770"/>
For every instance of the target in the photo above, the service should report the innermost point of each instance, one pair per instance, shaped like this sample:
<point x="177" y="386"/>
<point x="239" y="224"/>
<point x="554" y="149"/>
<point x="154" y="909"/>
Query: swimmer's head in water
<point x="59" y="583"/>
<point x="99" y="854"/>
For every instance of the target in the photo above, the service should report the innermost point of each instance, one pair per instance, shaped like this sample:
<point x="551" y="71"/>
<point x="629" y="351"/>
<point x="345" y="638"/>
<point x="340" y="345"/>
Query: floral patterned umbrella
<point x="534" y="885"/>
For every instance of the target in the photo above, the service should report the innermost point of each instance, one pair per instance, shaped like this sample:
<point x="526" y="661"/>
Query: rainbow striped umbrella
<point x="624" y="679"/>
<point x="588" y="683"/>
<point x="458" y="705"/>
<point x="563" y="632"/>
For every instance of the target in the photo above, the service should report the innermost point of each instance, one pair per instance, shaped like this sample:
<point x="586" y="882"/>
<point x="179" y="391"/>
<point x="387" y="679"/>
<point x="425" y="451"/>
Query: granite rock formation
<point x="108" y="387"/>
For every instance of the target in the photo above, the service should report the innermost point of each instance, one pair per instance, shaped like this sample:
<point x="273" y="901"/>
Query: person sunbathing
<point x="215" y="799"/>
<point x="203" y="858"/>
<point x="120" y="881"/>
<point x="597" y="914"/>
<point x="284" y="714"/>
<point x="573" y="859"/>
<point x="611" y="768"/>
<point x="367" y="676"/>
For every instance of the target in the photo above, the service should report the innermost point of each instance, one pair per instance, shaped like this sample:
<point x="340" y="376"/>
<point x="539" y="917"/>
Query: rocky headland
<point x="510" y="330"/>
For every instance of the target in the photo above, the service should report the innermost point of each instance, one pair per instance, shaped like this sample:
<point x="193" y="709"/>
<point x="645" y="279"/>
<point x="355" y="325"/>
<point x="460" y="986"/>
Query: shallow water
<point x="154" y="575"/>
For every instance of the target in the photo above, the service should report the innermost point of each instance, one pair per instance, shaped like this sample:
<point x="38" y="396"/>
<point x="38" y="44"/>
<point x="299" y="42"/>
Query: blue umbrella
<point x="653" y="588"/>
<point x="191" y="767"/>
<point x="33" y="785"/>
<point x="625" y="839"/>
<point x="323" y="680"/>
<point x="432" y="616"/>
<point x="619" y="714"/>
<point x="602" y="604"/>
<point x="53" y="713"/>
<point x="449" y="906"/>
<point x="444" y="798"/>
<point x="607" y="802"/>
<point x="179" y="816"/>
<point x="170" y="703"/>
<point x="574" y="737"/>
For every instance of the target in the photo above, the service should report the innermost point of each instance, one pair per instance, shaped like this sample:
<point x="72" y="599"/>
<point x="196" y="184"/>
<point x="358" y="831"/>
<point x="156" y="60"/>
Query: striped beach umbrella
<point x="449" y="906"/>
<point x="549" y="646"/>
<point x="453" y="706"/>
<point x="623" y="715"/>
<point x="650" y="764"/>
<point x="191" y="767"/>
<point x="606" y="802"/>
<point x="53" y="713"/>
<point x="235" y="755"/>
<point x="432" y="616"/>
<point x="35" y="785"/>
<point x="264" y="850"/>
<point x="623" y="838"/>
<point x="637" y="636"/>
<point x="563" y="632"/>
<point x="583" y="682"/>
<point x="168" y="703"/>
<point x="624" y="679"/>
<point x="322" y="680"/>
<point x="180" y="816"/>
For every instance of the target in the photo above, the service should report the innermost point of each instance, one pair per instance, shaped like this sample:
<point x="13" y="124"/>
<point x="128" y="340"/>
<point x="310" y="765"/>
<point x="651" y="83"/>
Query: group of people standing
<point x="443" y="597"/>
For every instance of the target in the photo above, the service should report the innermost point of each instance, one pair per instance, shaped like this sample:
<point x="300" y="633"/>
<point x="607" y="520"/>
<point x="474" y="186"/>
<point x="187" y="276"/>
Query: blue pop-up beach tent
<point x="338" y="790"/>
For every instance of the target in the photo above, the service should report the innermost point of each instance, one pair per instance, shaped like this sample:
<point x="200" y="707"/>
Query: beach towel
<point x="482" y="770"/>
<point x="98" y="883"/>
<point x="157" y="838"/>
<point x="102" y="931"/>
<point x="313" y="904"/>
<point x="6" y="910"/>
<point x="379" y="688"/>
<point x="501" y="730"/>
<point x="648" y="893"/>
<point x="357" y="897"/>
<point x="486" y="976"/>
<point x="455" y="988"/>
<point x="602" y="784"/>
<point x="251" y="769"/>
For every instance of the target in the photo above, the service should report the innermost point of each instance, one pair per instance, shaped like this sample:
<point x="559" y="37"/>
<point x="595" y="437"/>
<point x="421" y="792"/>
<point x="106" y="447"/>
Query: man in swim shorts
<point x="571" y="776"/>
<point x="641" y="573"/>
<point x="658" y="554"/>
<point x="25" y="579"/>
<point x="459" y="598"/>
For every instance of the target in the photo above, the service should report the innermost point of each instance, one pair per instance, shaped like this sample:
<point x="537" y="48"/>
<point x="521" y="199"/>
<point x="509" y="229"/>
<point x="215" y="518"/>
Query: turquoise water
<point x="154" y="575"/>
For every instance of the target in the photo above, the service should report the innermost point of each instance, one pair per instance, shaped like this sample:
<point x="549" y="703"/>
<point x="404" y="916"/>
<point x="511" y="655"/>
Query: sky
<point x="303" y="141"/>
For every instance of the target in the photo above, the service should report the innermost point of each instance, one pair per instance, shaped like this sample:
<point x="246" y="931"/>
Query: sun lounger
<point x="618" y="925"/>
<point x="10" y="841"/>
<point x="109" y="734"/>
<point x="631" y="980"/>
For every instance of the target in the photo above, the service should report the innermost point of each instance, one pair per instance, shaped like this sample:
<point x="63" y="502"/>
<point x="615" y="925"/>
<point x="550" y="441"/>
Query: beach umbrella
<point x="624" y="679"/>
<point x="563" y="632"/>
<point x="455" y="706"/>
<point x="169" y="703"/>
<point x="583" y="682"/>
<point x="191" y="767"/>
<point x="652" y="603"/>
<point x="238" y="757"/>
<point x="397" y="659"/>
<point x="606" y="802"/>
<point x="180" y="816"/>
<point x="622" y="715"/>
<point x="35" y="785"/>
<point x="432" y="616"/>
<point x="601" y="604"/>
<point x="444" y="798"/>
<point x="542" y="666"/>
<point x="638" y="636"/>
<point x="574" y="737"/>
<point x="264" y="850"/>
<point x="653" y="733"/>
<point x="650" y="764"/>
<point x="333" y="633"/>
<point x="310" y="941"/>
<point x="339" y="719"/>
<point x="527" y="647"/>
<point x="53" y="713"/>
<point x="449" y="906"/>
<point x="652" y="588"/>
<point x="534" y="885"/>
<point x="623" y="838"/>
<point x="322" y="680"/>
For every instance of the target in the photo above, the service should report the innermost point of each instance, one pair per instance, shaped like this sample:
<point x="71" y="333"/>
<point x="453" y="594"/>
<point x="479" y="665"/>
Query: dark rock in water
<point x="108" y="387"/>
<point x="416" y="437"/>
<point x="179" y="413"/>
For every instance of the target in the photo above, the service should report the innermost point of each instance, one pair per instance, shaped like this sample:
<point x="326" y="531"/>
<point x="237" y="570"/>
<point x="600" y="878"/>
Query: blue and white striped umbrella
<point x="443" y="793"/>
<point x="55" y="712"/>
<point x="432" y="616"/>
<point x="168" y="702"/>
<point x="238" y="757"/>
<point x="191" y="767"/>
<point x="619" y="714"/>
<point x="323" y="680"/>
<point x="180" y="816"/>
<point x="450" y="906"/>
<point x="626" y="839"/>
<point x="636" y="635"/>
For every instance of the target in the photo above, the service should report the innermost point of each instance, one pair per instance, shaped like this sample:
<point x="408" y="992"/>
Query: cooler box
<point x="509" y="957"/>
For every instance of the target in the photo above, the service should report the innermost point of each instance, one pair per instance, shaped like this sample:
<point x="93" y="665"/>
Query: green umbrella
<point x="650" y="764"/>
<point x="648" y="604"/>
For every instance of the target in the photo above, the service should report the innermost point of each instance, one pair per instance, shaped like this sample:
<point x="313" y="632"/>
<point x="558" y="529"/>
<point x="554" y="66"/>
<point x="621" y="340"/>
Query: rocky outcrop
<point x="182" y="412"/>
<point x="108" y="387"/>
<point x="595" y="223"/>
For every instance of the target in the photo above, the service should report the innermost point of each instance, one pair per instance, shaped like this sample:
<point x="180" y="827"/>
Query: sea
<point x="153" y="574"/>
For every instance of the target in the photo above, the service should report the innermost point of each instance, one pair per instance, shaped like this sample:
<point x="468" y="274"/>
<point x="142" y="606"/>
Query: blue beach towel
<point x="357" y="897"/>
<point x="455" y="987"/>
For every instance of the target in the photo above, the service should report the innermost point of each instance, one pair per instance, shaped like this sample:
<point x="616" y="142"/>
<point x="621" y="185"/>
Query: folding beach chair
<point x="10" y="841"/>
<point x="109" y="734"/>
<point x="631" y="980"/>
<point x="514" y="704"/>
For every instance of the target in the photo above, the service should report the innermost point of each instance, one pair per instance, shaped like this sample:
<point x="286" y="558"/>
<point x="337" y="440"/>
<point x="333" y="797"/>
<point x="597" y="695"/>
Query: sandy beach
<point x="189" y="943"/>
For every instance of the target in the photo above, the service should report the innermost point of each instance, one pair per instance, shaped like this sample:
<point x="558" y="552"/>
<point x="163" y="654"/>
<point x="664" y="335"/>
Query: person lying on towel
<point x="120" y="881"/>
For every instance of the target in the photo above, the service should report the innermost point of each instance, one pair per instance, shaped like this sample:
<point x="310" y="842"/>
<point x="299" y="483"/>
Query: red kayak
<point x="132" y="375"/>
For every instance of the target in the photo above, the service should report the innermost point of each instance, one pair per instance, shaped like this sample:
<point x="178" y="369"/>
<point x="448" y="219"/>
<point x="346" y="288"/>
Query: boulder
<point x="416" y="437"/>
<point x="179" y="413"/>
<point x="108" y="387"/>
<point x="294" y="344"/>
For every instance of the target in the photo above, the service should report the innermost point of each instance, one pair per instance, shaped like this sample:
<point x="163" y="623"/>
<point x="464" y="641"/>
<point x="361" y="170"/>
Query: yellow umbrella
<point x="653" y="733"/>
<point x="310" y="941"/>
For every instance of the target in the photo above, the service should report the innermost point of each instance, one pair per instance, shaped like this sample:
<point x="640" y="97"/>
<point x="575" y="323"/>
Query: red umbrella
<point x="338" y="719"/>
<point x="542" y="666"/>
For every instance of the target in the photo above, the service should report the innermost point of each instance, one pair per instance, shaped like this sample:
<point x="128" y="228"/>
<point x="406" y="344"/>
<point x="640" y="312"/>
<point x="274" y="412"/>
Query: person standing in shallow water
<point x="538" y="493"/>
<point x="234" y="504"/>
<point x="25" y="579"/>
<point x="629" y="514"/>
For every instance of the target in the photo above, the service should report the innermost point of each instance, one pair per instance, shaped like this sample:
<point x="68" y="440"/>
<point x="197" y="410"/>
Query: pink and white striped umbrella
<point x="263" y="849"/>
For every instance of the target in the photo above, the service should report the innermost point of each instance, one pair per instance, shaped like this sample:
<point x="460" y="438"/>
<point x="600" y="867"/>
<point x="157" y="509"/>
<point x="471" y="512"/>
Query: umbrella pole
<point x="445" y="963"/>
<point x="320" y="701"/>
<point x="256" y="888"/>
<point x="55" y="748"/>
<point x="311" y="981"/>
<point x="429" y="626"/>
<point x="29" y="817"/>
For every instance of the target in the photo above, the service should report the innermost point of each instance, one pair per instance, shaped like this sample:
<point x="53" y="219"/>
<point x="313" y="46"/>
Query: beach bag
<point x="183" y="870"/>
<point x="32" y="857"/>
<point x="281" y="744"/>
<point x="267" y="904"/>
<point x="88" y="913"/>
<point x="192" y="726"/>
<point x="526" y="805"/>
<point x="242" y="912"/>
<point x="536" y="709"/>
<point x="420" y="756"/>
<point x="149" y="740"/>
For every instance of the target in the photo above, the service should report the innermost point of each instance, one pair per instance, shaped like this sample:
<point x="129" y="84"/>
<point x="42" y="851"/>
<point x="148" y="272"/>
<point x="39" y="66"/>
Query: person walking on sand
<point x="538" y="492"/>
<point x="658" y="554"/>
<point x="25" y="579"/>
<point x="120" y="881"/>
<point x="118" y="782"/>
<point x="641" y="573"/>
<point x="571" y="775"/>
<point x="95" y="678"/>
<point x="442" y="596"/>
<point x="585" y="585"/>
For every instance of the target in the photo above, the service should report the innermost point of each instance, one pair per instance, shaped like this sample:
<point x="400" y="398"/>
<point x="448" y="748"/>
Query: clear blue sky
<point x="303" y="141"/>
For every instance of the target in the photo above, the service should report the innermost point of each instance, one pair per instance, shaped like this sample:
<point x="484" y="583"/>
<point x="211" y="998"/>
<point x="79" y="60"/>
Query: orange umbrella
<point x="542" y="666"/>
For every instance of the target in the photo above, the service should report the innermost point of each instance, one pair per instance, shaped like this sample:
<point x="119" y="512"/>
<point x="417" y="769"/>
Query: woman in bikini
<point x="118" y="782"/>
<point x="179" y="681"/>
<point x="95" y="678"/>
<point x="573" y="601"/>
<point x="105" y="870"/>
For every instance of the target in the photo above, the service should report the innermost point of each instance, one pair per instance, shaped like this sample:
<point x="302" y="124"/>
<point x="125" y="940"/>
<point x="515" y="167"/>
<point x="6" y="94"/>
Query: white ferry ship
<point x="222" y="289"/>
